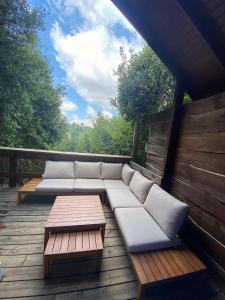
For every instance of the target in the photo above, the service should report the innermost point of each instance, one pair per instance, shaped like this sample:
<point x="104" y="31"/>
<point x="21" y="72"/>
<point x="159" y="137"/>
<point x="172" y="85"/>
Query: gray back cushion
<point x="167" y="211"/>
<point x="111" y="171"/>
<point x="58" y="170"/>
<point x="140" y="186"/>
<point x="87" y="169"/>
<point x="127" y="173"/>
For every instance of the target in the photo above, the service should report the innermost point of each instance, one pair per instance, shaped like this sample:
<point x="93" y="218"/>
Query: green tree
<point x="144" y="86"/>
<point x="112" y="136"/>
<point x="29" y="104"/>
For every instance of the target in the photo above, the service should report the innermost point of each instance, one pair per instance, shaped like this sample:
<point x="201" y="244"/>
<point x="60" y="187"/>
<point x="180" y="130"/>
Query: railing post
<point x="12" y="169"/>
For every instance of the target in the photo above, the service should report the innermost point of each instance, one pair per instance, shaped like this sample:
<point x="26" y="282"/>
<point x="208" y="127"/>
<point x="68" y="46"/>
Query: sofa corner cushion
<point x="122" y="198"/>
<point x="88" y="185"/>
<point x="87" y="169"/>
<point x="141" y="232"/>
<point x="114" y="184"/>
<point x="127" y="173"/>
<point x="58" y="170"/>
<point x="55" y="185"/>
<point x="167" y="211"/>
<point x="111" y="171"/>
<point x="140" y="186"/>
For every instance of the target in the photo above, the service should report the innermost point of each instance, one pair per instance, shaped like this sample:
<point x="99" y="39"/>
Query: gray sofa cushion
<point x="55" y="185"/>
<point x="122" y="198"/>
<point x="167" y="211"/>
<point x="111" y="171"/>
<point x="140" y="231"/>
<point x="58" y="169"/>
<point x="115" y="184"/>
<point x="87" y="169"/>
<point x="127" y="173"/>
<point x="140" y="186"/>
<point x="89" y="185"/>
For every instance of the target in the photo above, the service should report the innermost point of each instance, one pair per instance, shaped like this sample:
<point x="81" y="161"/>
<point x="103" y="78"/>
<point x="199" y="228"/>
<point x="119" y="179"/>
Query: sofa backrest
<point x="58" y="170"/>
<point x="167" y="211"/>
<point x="111" y="171"/>
<point x="140" y="186"/>
<point x="127" y="173"/>
<point x="87" y="169"/>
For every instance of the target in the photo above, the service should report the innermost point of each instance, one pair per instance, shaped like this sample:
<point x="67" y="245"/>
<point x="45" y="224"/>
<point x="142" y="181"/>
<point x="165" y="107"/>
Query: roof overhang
<point x="187" y="35"/>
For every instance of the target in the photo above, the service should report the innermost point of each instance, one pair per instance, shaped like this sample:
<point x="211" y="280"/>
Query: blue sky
<point x="82" y="40"/>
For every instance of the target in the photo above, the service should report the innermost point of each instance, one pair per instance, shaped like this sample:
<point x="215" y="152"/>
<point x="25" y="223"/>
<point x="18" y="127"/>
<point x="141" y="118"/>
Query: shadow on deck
<point x="21" y="253"/>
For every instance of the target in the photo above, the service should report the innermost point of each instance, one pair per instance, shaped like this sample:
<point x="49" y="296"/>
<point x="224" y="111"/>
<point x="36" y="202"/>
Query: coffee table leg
<point x="46" y="266"/>
<point x="46" y="236"/>
<point x="19" y="198"/>
<point x="99" y="261"/>
<point x="103" y="233"/>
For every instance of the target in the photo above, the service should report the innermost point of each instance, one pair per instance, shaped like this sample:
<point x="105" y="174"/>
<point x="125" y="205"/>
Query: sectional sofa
<point x="148" y="217"/>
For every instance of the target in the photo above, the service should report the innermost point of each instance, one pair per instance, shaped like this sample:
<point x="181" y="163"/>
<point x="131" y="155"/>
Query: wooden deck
<point x="21" y="252"/>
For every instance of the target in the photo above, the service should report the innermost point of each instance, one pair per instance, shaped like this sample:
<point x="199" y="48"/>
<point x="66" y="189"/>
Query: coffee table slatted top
<point x="74" y="243"/>
<point x="76" y="211"/>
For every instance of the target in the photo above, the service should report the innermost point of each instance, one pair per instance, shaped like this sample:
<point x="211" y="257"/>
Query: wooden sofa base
<point x="29" y="188"/>
<point x="157" y="267"/>
<point x="151" y="268"/>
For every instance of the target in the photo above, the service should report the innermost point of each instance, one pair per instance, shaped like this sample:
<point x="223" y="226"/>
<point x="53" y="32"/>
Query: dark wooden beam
<point x="59" y="155"/>
<point x="136" y="138"/>
<point x="172" y="137"/>
<point x="133" y="11"/>
<point x="207" y="27"/>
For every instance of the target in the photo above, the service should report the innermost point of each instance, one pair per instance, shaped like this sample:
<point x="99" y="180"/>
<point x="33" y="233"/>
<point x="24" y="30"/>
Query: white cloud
<point x="97" y="12"/>
<point x="67" y="105"/>
<point x="107" y="114"/>
<point x="91" y="112"/>
<point x="88" y="59"/>
<point x="85" y="122"/>
<point x="90" y="52"/>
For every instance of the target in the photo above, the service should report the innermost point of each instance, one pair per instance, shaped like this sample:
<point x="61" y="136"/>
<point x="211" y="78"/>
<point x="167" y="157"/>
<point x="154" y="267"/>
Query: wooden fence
<point x="156" y="146"/>
<point x="198" y="172"/>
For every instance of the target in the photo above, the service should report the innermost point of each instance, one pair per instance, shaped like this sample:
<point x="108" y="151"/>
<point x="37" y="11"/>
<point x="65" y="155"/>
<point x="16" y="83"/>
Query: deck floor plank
<point x="21" y="252"/>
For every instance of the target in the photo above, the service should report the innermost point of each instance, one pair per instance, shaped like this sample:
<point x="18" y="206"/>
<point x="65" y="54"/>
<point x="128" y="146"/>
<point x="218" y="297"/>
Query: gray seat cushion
<point x="89" y="185"/>
<point x="122" y="198"/>
<point x="55" y="185"/>
<point x="140" y="186"/>
<point x="58" y="170"/>
<point x="111" y="171"/>
<point x="127" y="173"/>
<point x="167" y="211"/>
<point x="87" y="169"/>
<point x="115" y="184"/>
<point x="140" y="231"/>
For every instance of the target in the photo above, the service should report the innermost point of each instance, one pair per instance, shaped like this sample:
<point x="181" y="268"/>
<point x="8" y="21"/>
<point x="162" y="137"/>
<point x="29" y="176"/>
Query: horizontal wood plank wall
<point x="156" y="146"/>
<point x="199" y="169"/>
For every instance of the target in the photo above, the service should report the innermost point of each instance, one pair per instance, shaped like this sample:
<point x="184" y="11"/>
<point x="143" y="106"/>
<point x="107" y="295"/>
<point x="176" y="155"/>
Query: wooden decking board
<point x="23" y="255"/>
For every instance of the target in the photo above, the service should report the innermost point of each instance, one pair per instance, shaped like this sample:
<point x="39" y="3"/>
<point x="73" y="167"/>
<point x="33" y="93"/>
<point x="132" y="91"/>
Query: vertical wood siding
<point x="198" y="174"/>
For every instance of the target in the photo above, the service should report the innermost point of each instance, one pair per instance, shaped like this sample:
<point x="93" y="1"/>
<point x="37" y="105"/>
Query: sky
<point x="82" y="40"/>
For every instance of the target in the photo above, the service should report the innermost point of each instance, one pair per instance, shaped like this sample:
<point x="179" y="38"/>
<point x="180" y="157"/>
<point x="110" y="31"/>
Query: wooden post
<point x="171" y="145"/>
<point x="135" y="144"/>
<point x="12" y="169"/>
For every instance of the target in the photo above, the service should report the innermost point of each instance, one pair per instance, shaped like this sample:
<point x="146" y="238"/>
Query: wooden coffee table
<point x="75" y="227"/>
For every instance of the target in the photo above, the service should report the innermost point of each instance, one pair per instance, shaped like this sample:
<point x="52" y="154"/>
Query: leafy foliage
<point x="112" y="136"/>
<point x="29" y="104"/>
<point x="145" y="86"/>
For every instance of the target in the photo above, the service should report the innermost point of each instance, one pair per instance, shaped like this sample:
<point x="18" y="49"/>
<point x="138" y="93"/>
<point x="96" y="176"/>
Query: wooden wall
<point x="157" y="141"/>
<point x="198" y="175"/>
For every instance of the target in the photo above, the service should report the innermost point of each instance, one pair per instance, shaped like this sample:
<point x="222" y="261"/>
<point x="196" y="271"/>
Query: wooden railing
<point x="15" y="153"/>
